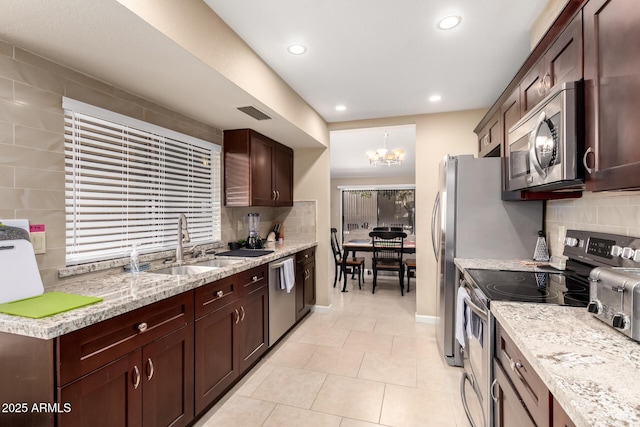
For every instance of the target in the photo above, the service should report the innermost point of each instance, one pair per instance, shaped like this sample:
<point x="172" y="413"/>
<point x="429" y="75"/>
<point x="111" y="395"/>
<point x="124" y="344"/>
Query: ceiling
<point x="379" y="58"/>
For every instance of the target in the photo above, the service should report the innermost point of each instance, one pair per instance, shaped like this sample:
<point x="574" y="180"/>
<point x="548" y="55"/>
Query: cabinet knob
<point x="142" y="327"/>
<point x="219" y="294"/>
<point x="254" y="278"/>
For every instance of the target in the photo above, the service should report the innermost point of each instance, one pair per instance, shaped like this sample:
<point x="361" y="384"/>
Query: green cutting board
<point x="47" y="304"/>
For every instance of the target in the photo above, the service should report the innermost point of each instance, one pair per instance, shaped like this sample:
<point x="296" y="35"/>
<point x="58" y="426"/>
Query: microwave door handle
<point x="533" y="156"/>
<point x="436" y="205"/>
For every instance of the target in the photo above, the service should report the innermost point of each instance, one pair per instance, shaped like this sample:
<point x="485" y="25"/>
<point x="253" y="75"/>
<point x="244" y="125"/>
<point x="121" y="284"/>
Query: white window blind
<point x="127" y="181"/>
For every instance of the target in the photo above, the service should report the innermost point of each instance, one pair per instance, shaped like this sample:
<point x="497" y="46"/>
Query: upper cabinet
<point x="258" y="171"/>
<point x="562" y="62"/>
<point x="612" y="94"/>
<point x="490" y="138"/>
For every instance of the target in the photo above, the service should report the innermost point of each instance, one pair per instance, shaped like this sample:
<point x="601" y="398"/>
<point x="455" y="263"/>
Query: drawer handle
<point x="136" y="377"/>
<point x="242" y="311"/>
<point x="150" y="369"/>
<point x="219" y="294"/>
<point x="493" y="389"/>
<point x="237" y="316"/>
<point x="142" y="327"/>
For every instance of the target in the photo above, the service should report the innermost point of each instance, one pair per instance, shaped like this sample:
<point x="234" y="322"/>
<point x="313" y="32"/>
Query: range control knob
<point x="616" y="251"/>
<point x="636" y="255"/>
<point x="620" y="321"/>
<point x="595" y="307"/>
<point x="571" y="241"/>
<point x="627" y="253"/>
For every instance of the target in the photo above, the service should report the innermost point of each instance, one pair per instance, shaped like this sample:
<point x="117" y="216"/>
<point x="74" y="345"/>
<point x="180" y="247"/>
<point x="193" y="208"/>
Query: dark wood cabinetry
<point x="231" y="332"/>
<point x="560" y="417"/>
<point x="305" y="282"/>
<point x="612" y="94"/>
<point x="134" y="370"/>
<point x="258" y="171"/>
<point x="490" y="138"/>
<point x="509" y="410"/>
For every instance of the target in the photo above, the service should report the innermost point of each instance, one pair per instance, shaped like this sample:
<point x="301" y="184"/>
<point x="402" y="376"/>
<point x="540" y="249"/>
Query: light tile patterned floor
<point x="366" y="363"/>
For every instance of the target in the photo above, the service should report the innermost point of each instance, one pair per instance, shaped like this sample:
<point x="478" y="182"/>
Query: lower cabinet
<point x="305" y="282"/>
<point x="152" y="386"/>
<point x="509" y="410"/>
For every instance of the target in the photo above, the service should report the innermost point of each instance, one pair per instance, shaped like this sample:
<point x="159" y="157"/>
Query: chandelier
<point x="383" y="156"/>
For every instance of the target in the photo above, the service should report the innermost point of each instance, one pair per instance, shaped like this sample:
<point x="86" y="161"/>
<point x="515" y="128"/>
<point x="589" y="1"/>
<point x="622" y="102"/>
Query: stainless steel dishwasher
<point x="282" y="304"/>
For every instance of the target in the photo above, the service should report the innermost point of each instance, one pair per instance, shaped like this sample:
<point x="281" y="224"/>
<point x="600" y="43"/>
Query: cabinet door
<point x="283" y="176"/>
<point x="563" y="60"/>
<point x="262" y="153"/>
<point x="301" y="306"/>
<point x="108" y="397"/>
<point x="310" y="284"/>
<point x="532" y="88"/>
<point x="490" y="138"/>
<point x="509" y="411"/>
<point x="253" y="328"/>
<point x="612" y="93"/>
<point x="168" y="380"/>
<point x="216" y="356"/>
<point x="560" y="417"/>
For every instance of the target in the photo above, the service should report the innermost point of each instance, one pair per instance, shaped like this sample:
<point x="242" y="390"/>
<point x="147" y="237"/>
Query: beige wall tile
<point x="103" y="100"/>
<point x="40" y="139"/>
<point x="6" y="133"/>
<point x="32" y="199"/>
<point x="38" y="98"/>
<point x="6" y="89"/>
<point x="13" y="155"/>
<point x="21" y="72"/>
<point x="39" y="179"/>
<point x="60" y="70"/>
<point x="51" y="218"/>
<point x="7" y="176"/>
<point x="53" y="258"/>
<point x="26" y="115"/>
<point x="6" y="49"/>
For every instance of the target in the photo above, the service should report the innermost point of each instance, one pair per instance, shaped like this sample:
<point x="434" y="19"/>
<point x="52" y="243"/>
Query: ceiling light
<point x="435" y="98"/>
<point x="340" y="107"/>
<point x="297" y="49"/>
<point x="449" y="22"/>
<point x="382" y="156"/>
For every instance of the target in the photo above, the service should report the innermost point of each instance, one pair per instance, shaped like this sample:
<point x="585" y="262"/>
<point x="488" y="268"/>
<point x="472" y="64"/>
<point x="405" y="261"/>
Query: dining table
<point x="366" y="245"/>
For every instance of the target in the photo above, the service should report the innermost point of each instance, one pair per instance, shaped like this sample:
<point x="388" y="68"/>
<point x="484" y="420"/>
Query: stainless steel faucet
<point x="183" y="236"/>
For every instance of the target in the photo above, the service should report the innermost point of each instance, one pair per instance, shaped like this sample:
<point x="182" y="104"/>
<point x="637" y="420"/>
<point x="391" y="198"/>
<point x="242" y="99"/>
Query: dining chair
<point x="410" y="263"/>
<point x="353" y="263"/>
<point x="387" y="255"/>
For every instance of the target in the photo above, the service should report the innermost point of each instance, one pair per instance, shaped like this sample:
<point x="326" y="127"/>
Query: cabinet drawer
<point x="306" y="255"/>
<point x="87" y="349"/>
<point x="532" y="390"/>
<point x="252" y="280"/>
<point x="215" y="295"/>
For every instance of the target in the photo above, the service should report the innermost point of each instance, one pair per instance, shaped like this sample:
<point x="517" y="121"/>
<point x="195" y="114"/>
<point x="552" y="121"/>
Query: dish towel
<point x="463" y="314"/>
<point x="287" y="275"/>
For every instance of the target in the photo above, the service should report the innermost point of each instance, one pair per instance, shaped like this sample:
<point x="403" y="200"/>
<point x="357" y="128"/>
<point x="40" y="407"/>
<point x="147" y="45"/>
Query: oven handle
<point x="463" y="395"/>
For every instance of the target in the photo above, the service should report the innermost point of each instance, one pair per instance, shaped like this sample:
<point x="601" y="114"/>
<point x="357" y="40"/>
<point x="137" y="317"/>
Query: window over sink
<point x="127" y="181"/>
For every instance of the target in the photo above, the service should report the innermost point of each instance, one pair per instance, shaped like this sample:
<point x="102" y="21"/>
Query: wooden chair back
<point x="387" y="248"/>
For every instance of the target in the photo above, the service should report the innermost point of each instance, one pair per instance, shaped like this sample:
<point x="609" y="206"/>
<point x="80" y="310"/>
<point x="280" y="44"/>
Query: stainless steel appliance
<point x="282" y="304"/>
<point x="254" y="241"/>
<point x="542" y="149"/>
<point x="585" y="251"/>
<point x="470" y="220"/>
<point x="615" y="291"/>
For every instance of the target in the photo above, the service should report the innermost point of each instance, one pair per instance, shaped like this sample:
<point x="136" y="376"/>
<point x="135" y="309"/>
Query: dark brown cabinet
<point x="561" y="63"/>
<point x="560" y="417"/>
<point x="231" y="332"/>
<point x="490" y="138"/>
<point x="509" y="410"/>
<point x="305" y="282"/>
<point x="133" y="370"/>
<point x="612" y="94"/>
<point x="258" y="171"/>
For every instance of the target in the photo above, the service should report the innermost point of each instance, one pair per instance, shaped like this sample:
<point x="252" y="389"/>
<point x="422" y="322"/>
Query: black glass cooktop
<point x="526" y="286"/>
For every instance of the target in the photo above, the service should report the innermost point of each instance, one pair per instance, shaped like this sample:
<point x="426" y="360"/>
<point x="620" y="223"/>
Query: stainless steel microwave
<point x="542" y="149"/>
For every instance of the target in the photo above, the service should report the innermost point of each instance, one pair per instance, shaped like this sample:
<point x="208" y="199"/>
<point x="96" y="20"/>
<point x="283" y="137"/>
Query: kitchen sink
<point x="183" y="270"/>
<point x="219" y="263"/>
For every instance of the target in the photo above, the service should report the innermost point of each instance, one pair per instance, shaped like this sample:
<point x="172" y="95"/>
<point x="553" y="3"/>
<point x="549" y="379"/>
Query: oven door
<point x="474" y="384"/>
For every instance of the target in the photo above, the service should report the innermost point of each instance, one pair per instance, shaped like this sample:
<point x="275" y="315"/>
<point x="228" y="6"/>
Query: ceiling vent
<point x="254" y="112"/>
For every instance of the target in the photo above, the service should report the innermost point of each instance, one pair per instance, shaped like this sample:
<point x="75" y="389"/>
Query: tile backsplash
<point x="606" y="212"/>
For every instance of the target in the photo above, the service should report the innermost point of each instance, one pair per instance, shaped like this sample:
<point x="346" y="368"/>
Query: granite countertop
<point x="592" y="370"/>
<point x="501" y="264"/>
<point x="124" y="292"/>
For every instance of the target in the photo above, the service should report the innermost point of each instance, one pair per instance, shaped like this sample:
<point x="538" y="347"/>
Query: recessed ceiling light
<point x="435" y="98"/>
<point x="340" y="107"/>
<point x="449" y="22"/>
<point x="297" y="49"/>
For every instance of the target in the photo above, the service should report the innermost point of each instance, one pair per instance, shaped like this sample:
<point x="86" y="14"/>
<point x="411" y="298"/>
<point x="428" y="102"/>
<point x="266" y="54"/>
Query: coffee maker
<point x="254" y="241"/>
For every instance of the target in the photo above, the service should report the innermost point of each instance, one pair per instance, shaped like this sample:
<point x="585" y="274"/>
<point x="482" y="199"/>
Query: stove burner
<point x="527" y="293"/>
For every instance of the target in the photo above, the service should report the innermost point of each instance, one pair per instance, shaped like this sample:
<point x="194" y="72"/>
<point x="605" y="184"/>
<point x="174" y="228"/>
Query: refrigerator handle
<point x="436" y="205"/>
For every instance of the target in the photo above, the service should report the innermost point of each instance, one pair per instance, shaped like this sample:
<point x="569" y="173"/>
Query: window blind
<point x="127" y="181"/>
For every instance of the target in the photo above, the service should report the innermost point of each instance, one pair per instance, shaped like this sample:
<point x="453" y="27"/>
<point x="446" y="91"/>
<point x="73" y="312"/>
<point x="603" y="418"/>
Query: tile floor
<point x="365" y="363"/>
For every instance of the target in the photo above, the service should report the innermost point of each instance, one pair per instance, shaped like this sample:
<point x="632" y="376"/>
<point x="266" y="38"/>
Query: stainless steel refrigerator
<point x="470" y="220"/>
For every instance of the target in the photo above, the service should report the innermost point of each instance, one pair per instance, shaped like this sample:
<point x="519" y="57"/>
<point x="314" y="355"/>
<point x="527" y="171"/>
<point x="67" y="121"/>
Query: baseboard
<point x="426" y="319"/>
<point x="321" y="308"/>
